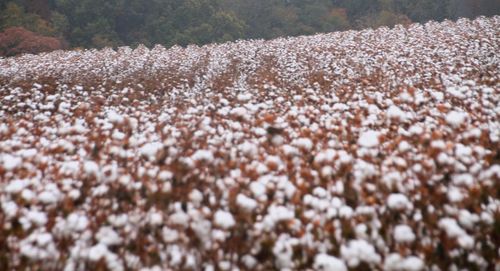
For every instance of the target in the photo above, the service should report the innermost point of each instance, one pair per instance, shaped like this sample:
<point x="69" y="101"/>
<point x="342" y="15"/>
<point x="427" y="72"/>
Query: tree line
<point x="97" y="23"/>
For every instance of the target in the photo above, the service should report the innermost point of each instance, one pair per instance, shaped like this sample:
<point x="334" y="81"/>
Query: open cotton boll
<point x="396" y="113"/>
<point x="224" y="219"/>
<point x="398" y="202"/>
<point x="203" y="155"/>
<point x="358" y="251"/>
<point x="108" y="236"/>
<point x="325" y="262"/>
<point x="403" y="234"/>
<point x="369" y="139"/>
<point x="115" y="117"/>
<point x="303" y="143"/>
<point x="16" y="186"/>
<point x="456" y="118"/>
<point x="246" y="203"/>
<point x="149" y="150"/>
<point x="453" y="230"/>
<point x="10" y="162"/>
<point x="394" y="262"/>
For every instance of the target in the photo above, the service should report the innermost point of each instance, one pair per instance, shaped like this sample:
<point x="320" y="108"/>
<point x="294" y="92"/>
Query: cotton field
<point x="358" y="150"/>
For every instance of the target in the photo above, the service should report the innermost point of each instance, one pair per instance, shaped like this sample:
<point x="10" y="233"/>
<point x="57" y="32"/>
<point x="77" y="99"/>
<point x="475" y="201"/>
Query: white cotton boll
<point x="9" y="162"/>
<point x="437" y="95"/>
<point x="76" y="222"/>
<point x="398" y="202"/>
<point x="276" y="214"/>
<point x="114" y="117"/>
<point x="248" y="148"/>
<point x="91" y="168"/>
<point x="277" y="140"/>
<point x="358" y="251"/>
<point x="453" y="230"/>
<point x="466" y="241"/>
<point x="203" y="229"/>
<point x="39" y="218"/>
<point x="393" y="262"/>
<point x="412" y="263"/>
<point x="456" y="118"/>
<point x="16" y="186"/>
<point x="487" y="218"/>
<point x="258" y="189"/>
<point x="360" y="231"/>
<point x="369" y="139"/>
<point x="455" y="195"/>
<point x="196" y="196"/>
<point x="27" y="195"/>
<point x="74" y="194"/>
<point x="303" y="143"/>
<point x="346" y="212"/>
<point x="224" y="265"/>
<point x="165" y="175"/>
<point x="238" y="112"/>
<point x="39" y="245"/>
<point x="108" y="236"/>
<point x="396" y="113"/>
<point x="325" y="156"/>
<point x="326" y="171"/>
<point x="218" y="235"/>
<point x="246" y="203"/>
<point x="224" y="219"/>
<point x="283" y="251"/>
<point x="244" y="97"/>
<point x="249" y="261"/>
<point x="203" y="155"/>
<point x="438" y="144"/>
<point x="403" y="234"/>
<point x="50" y="196"/>
<point x="456" y="92"/>
<point x="404" y="146"/>
<point x="179" y="218"/>
<point x="169" y="235"/>
<point x="467" y="219"/>
<point x="117" y="135"/>
<point x="155" y="219"/>
<point x="325" y="262"/>
<point x="9" y="208"/>
<point x="320" y="192"/>
<point x="149" y="150"/>
<point x="97" y="252"/>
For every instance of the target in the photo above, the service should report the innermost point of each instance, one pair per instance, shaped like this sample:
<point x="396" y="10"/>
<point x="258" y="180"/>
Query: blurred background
<point x="43" y="25"/>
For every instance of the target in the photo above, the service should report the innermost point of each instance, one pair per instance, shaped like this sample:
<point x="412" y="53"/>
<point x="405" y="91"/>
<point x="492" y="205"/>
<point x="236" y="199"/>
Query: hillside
<point x="359" y="150"/>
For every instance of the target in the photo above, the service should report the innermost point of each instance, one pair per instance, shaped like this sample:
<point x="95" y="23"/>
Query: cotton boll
<point x="396" y="113"/>
<point x="9" y="162"/>
<point x="456" y="118"/>
<point x="109" y="237"/>
<point x="358" y="251"/>
<point x="196" y="196"/>
<point x="224" y="219"/>
<point x="398" y="202"/>
<point x="149" y="150"/>
<point x="403" y="234"/>
<point x="453" y="230"/>
<point x="369" y="139"/>
<point x="246" y="203"/>
<point x="326" y="262"/>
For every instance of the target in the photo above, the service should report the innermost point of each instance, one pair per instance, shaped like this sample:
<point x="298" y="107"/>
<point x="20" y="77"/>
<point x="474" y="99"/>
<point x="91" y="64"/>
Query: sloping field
<point x="369" y="150"/>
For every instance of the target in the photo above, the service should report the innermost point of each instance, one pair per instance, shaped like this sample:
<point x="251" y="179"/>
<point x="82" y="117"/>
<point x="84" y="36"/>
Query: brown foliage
<point x="18" y="40"/>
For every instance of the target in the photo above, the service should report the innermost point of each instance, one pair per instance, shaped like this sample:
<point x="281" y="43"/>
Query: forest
<point x="29" y="25"/>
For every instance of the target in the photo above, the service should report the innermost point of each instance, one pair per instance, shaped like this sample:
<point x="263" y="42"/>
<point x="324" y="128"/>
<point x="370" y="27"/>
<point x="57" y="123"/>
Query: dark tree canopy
<point x="96" y="23"/>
